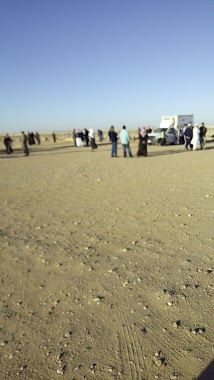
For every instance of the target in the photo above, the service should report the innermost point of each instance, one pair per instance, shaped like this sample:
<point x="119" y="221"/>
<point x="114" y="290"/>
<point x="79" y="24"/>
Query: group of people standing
<point x="125" y="142"/>
<point x="194" y="136"/>
<point x="33" y="139"/>
<point x="24" y="141"/>
<point x="84" y="136"/>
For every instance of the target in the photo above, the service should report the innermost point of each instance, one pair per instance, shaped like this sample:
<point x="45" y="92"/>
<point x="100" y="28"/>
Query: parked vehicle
<point x="170" y="129"/>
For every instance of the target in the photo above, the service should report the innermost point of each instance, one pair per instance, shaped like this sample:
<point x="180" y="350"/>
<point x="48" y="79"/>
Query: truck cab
<point x="165" y="134"/>
<point x="169" y="128"/>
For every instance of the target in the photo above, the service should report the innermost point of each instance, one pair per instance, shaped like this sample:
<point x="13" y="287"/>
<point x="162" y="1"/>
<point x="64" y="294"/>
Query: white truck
<point x="169" y="129"/>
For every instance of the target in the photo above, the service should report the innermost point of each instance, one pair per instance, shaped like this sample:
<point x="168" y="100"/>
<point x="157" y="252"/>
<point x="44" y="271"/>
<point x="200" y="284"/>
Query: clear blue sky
<point x="97" y="63"/>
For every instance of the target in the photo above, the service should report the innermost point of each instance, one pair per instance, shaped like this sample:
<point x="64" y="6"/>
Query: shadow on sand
<point x="208" y="373"/>
<point x="64" y="149"/>
<point x="61" y="149"/>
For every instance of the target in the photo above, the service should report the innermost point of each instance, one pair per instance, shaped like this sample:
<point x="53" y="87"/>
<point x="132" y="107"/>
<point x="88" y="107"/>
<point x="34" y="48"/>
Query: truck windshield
<point x="158" y="130"/>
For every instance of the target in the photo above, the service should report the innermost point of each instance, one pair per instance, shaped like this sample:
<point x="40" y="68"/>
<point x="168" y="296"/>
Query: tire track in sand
<point x="128" y="339"/>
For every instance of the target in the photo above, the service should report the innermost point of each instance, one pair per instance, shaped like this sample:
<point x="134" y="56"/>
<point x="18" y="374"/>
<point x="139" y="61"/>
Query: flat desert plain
<point x="107" y="264"/>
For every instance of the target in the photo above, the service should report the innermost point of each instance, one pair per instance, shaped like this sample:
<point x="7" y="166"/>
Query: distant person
<point x="86" y="138"/>
<point x="54" y="137"/>
<point x="91" y="136"/>
<point x="202" y="136"/>
<point x="8" y="144"/>
<point x="142" y="147"/>
<point x="191" y="142"/>
<point x="37" y="137"/>
<point x="79" y="138"/>
<point x="184" y="129"/>
<point x="188" y="136"/>
<point x="113" y="139"/>
<point x="178" y="131"/>
<point x="125" y="140"/>
<point x="100" y="135"/>
<point x="195" y="137"/>
<point x="24" y="144"/>
<point x="32" y="138"/>
<point x="109" y="134"/>
<point x="163" y="137"/>
<point x="74" y="136"/>
<point x="181" y="137"/>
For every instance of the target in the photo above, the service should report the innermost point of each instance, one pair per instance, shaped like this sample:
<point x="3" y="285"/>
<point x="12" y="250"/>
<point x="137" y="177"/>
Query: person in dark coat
<point x="202" y="135"/>
<point x="86" y="138"/>
<point x="113" y="139"/>
<point x="100" y="135"/>
<point x="32" y="138"/>
<point x="38" y="139"/>
<point x="188" y="136"/>
<point x="54" y="137"/>
<point x="142" y="147"/>
<point x="24" y="144"/>
<point x="8" y="144"/>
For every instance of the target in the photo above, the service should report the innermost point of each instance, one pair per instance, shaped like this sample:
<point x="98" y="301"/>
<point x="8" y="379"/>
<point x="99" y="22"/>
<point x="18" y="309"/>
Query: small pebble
<point x="201" y="331"/>
<point x="176" y="324"/>
<point x="60" y="371"/>
<point x="158" y="362"/>
<point x="3" y="343"/>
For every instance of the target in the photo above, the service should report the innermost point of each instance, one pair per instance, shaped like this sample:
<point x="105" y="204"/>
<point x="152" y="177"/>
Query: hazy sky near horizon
<point x="97" y="63"/>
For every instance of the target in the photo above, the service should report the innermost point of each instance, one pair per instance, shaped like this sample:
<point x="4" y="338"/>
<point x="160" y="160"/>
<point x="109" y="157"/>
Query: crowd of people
<point x="191" y="137"/>
<point x="125" y="142"/>
<point x="85" y="137"/>
<point x="194" y="136"/>
<point x="29" y="139"/>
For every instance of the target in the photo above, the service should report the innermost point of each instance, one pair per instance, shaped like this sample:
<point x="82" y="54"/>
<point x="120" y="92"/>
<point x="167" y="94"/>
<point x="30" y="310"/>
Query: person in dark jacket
<point x="85" y="136"/>
<point x="113" y="139"/>
<point x="100" y="135"/>
<point x="38" y="139"/>
<point x="54" y="136"/>
<point x="188" y="136"/>
<point x="24" y="144"/>
<point x="202" y="135"/>
<point x="8" y="144"/>
<point x="142" y="147"/>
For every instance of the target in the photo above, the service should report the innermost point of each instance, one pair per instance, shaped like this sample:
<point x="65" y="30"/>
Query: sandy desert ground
<point x="106" y="264"/>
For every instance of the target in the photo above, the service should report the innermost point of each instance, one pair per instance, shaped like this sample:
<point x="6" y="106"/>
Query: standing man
<point x="125" y="139"/>
<point x="184" y="129"/>
<point x="86" y="138"/>
<point x="113" y="139"/>
<point x="54" y="136"/>
<point x="163" y="137"/>
<point x="8" y="144"/>
<point x="202" y="135"/>
<point x="188" y="136"/>
<point x="24" y="144"/>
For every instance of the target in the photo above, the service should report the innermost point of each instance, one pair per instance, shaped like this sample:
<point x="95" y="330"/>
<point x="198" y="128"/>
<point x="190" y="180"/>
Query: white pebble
<point x="60" y="371"/>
